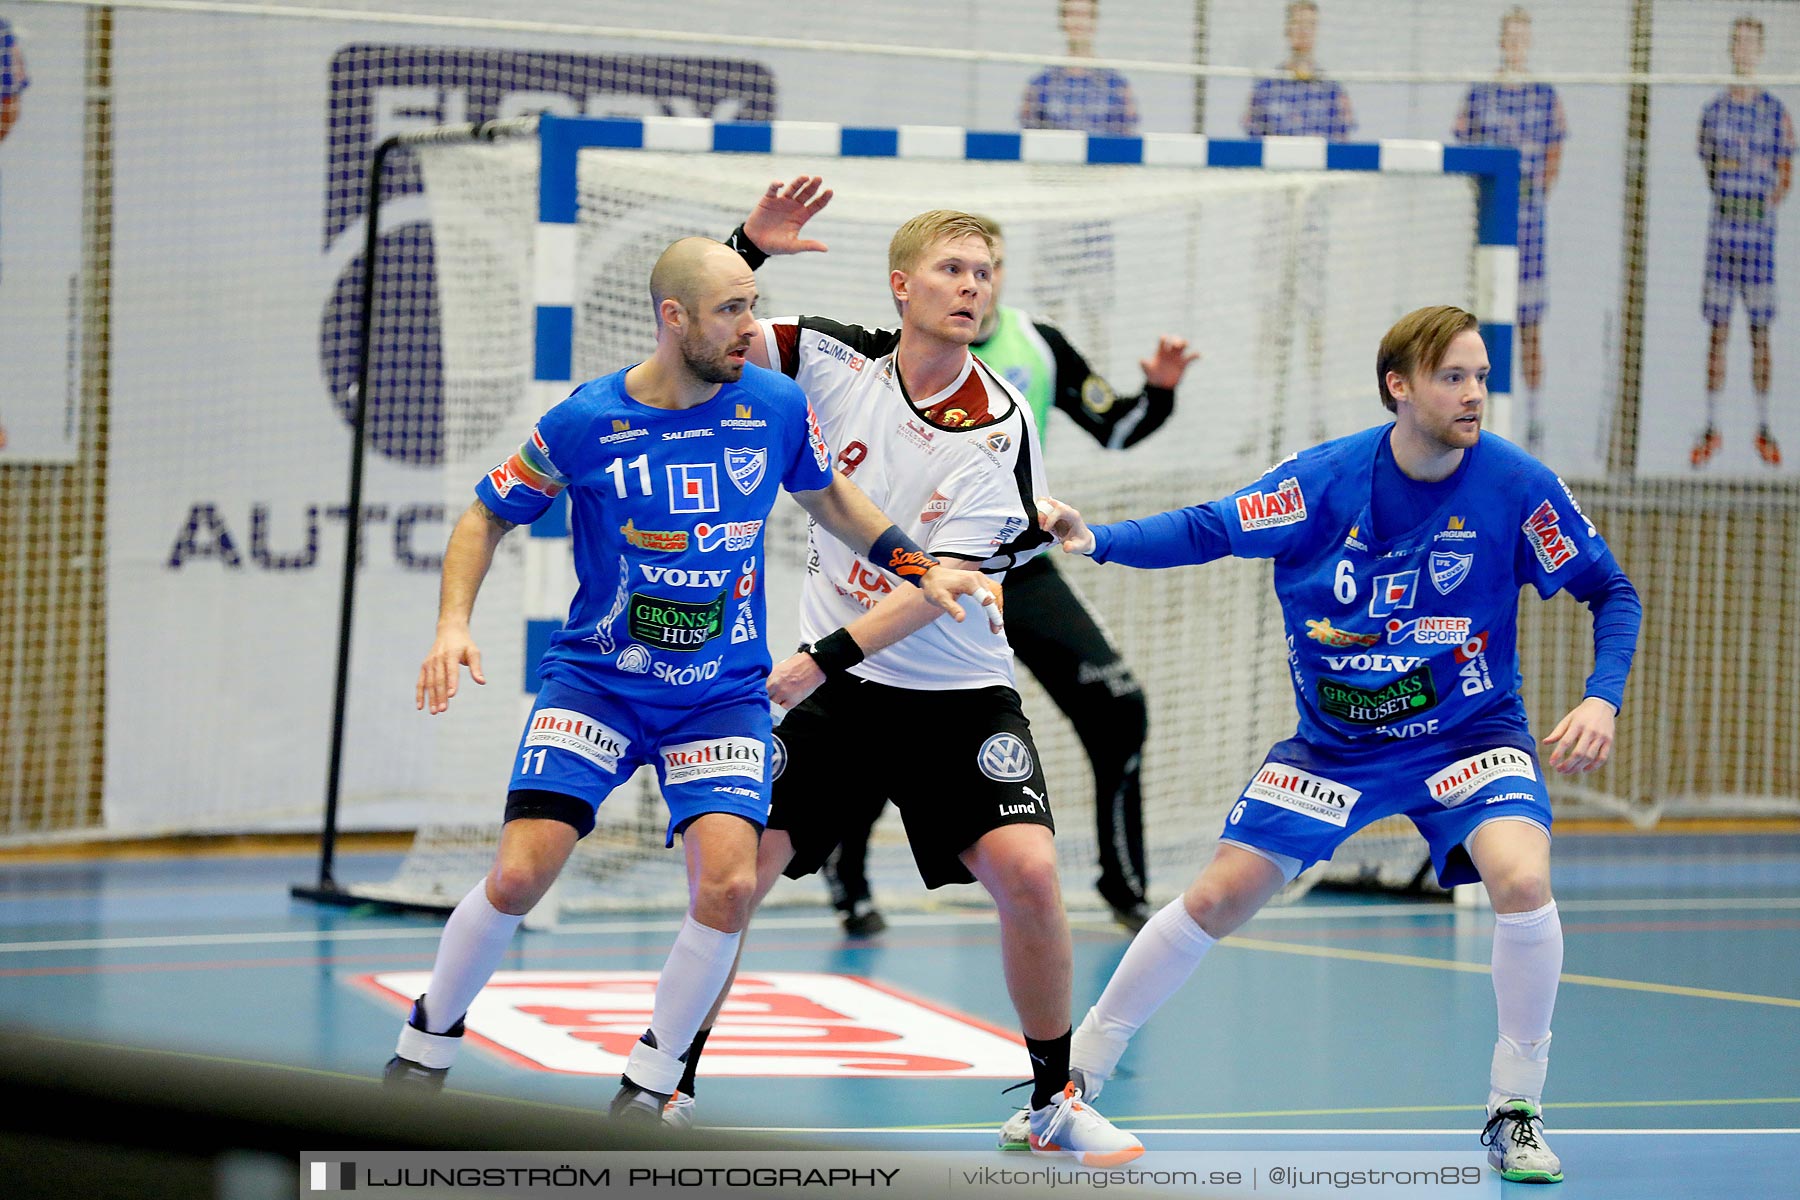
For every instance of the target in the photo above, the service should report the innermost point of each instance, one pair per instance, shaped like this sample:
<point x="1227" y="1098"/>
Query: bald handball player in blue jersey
<point x="1399" y="555"/>
<point x="672" y="467"/>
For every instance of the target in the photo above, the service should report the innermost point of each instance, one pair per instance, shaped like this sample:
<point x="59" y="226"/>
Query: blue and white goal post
<point x="1283" y="260"/>
<point x="1494" y="169"/>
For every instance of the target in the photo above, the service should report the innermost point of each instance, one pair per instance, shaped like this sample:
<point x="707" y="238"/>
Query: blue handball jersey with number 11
<point x="667" y="515"/>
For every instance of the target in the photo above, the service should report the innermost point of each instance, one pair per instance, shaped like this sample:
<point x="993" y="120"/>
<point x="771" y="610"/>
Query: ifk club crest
<point x="746" y="467"/>
<point x="1449" y="569"/>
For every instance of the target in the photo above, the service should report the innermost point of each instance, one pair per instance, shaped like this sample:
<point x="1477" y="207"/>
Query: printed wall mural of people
<point x="1746" y="144"/>
<point x="13" y="81"/>
<point x="1300" y="102"/>
<point x="1089" y="99"/>
<point x="1510" y="111"/>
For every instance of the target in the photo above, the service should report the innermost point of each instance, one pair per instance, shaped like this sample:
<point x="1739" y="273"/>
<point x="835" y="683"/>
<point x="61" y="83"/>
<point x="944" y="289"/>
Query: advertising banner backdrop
<point x="42" y="70"/>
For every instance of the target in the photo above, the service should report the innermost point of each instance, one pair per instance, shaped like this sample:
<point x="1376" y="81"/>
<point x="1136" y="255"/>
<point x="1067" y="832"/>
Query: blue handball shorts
<point x="1307" y="798"/>
<point x="710" y="758"/>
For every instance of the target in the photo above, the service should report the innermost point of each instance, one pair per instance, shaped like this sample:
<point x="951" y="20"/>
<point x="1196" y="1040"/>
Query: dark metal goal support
<point x="326" y="889"/>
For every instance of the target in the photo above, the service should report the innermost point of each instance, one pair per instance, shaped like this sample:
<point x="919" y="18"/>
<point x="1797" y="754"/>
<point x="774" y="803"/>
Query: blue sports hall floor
<point x="1338" y="1023"/>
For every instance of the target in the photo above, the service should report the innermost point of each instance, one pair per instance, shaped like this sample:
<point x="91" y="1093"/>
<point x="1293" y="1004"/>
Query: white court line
<point x="434" y="931"/>
<point x="1333" y="912"/>
<point x="223" y="939"/>
<point x="983" y="918"/>
<point x="1730" y="902"/>
<point x="112" y="895"/>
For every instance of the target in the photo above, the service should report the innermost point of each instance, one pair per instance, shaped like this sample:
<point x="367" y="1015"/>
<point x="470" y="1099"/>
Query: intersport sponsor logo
<point x="731" y="535"/>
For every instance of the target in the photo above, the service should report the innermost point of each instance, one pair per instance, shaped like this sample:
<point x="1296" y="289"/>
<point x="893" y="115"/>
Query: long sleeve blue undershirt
<point x="1197" y="534"/>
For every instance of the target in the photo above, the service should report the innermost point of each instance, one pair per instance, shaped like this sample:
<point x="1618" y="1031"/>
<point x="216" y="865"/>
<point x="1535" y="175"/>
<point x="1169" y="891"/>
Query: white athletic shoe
<point x="1067" y="1126"/>
<point x="1514" y="1136"/>
<point x="1094" y="1055"/>
<point x="678" y="1113"/>
<point x="1016" y="1133"/>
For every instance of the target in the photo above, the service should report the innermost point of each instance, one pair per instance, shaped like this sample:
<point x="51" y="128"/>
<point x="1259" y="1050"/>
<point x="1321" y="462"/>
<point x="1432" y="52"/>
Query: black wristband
<point x="894" y="551"/>
<point x="740" y="241"/>
<point x="835" y="653"/>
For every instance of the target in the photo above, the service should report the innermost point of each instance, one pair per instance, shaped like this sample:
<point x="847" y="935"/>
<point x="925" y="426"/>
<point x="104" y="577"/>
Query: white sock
<point x="475" y="940"/>
<point x="1159" y="960"/>
<point x="699" y="963"/>
<point x="1516" y="1075"/>
<point x="1712" y="407"/>
<point x="653" y="1070"/>
<point x="1528" y="958"/>
<point x="1762" y="410"/>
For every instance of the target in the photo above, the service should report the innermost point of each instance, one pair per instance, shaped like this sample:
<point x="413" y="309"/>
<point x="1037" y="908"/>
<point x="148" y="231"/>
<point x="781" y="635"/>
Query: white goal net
<point x="1284" y="281"/>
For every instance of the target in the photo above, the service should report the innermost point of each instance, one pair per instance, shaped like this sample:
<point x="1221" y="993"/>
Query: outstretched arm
<point x="466" y="562"/>
<point x="1117" y="422"/>
<point x="1181" y="537"/>
<point x="853" y="519"/>
<point x="773" y="227"/>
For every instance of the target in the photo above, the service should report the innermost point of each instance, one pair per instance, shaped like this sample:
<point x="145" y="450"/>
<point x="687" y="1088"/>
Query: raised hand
<point x="1167" y="363"/>
<point x="774" y="225"/>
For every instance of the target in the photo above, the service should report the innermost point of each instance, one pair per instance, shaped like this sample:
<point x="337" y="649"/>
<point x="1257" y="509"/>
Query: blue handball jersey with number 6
<point x="1415" y="633"/>
<point x="667" y="510"/>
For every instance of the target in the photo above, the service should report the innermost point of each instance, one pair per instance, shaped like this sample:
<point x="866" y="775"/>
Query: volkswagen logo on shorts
<point x="1005" y="757"/>
<point x="777" y="757"/>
